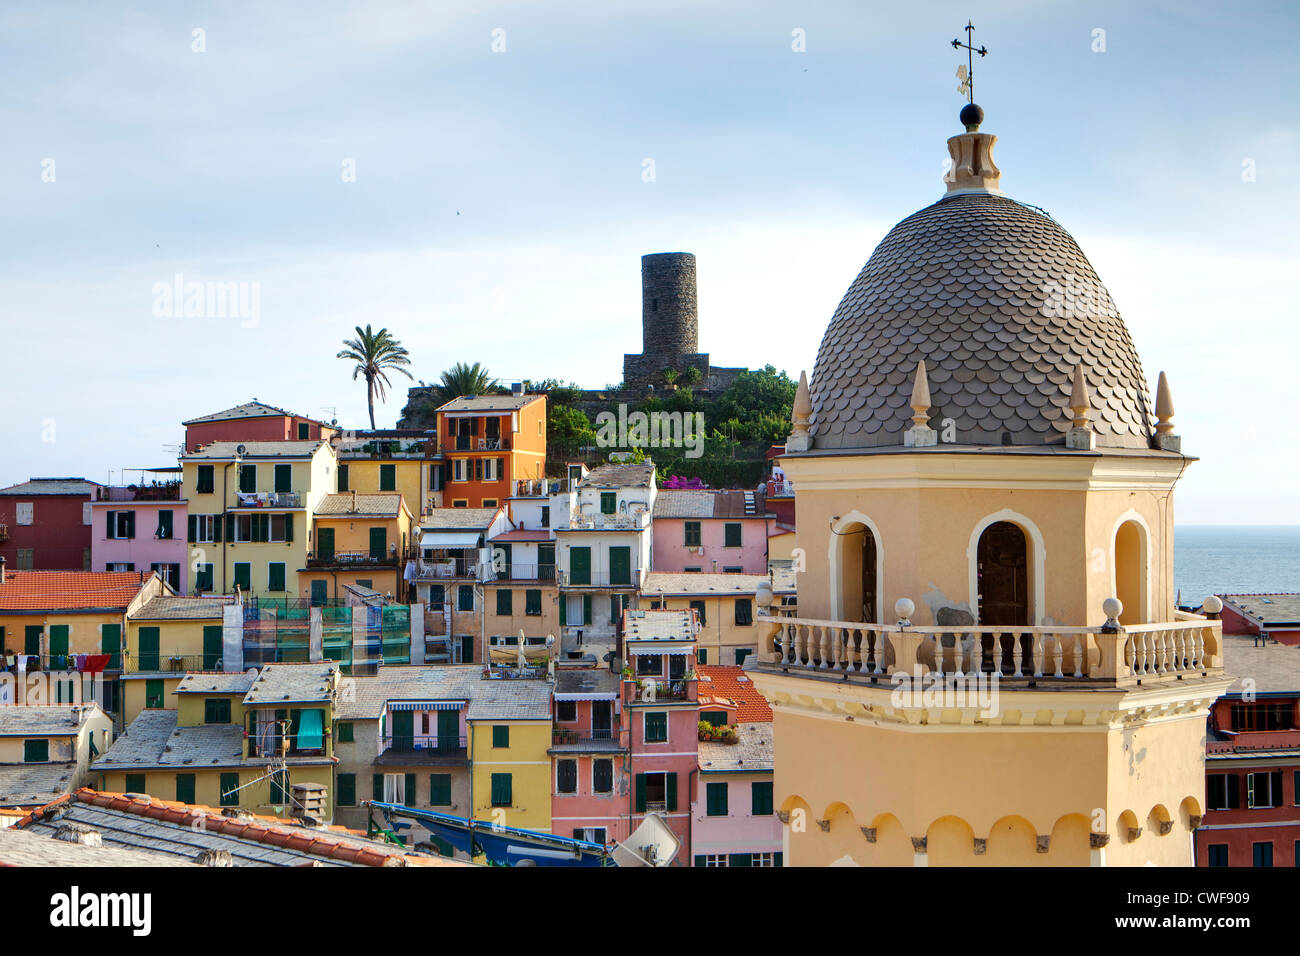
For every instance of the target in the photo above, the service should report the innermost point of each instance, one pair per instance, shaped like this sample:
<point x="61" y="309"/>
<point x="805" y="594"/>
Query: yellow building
<point x="509" y="724"/>
<point x="979" y="475"/>
<point x="403" y="462"/>
<point x="45" y="751"/>
<point x="250" y="506"/>
<point x="166" y="639"/>
<point x="359" y="539"/>
<point x="723" y="605"/>
<point x="235" y="740"/>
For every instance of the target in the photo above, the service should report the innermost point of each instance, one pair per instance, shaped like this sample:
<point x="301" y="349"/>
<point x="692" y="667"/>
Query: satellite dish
<point x="653" y="843"/>
<point x="239" y="449"/>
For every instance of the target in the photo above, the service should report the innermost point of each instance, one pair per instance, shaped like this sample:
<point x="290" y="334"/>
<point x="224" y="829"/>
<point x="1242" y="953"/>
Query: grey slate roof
<point x="246" y="410"/>
<point x="586" y="680"/>
<point x="523" y="699"/>
<point x="1268" y="610"/>
<point x="459" y="519"/>
<point x="36" y="721"/>
<point x="970" y="285"/>
<point x="629" y="475"/>
<point x="209" y="683"/>
<point x="181" y="609"/>
<point x="696" y="503"/>
<point x="293" y="683"/>
<point x="348" y="504"/>
<point x="488" y="403"/>
<point x="1275" y="668"/>
<point x="755" y="751"/>
<point x="224" y="450"/>
<point x="700" y="584"/>
<point x="649" y="626"/>
<point x="27" y="848"/>
<point x="155" y="741"/>
<point x="363" y="698"/>
<point x="34" y="784"/>
<point x="51" y="486"/>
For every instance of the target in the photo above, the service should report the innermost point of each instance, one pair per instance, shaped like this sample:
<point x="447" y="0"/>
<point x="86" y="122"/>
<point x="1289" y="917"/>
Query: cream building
<point x="987" y="667"/>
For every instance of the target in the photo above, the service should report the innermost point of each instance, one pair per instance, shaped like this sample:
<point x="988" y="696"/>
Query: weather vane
<point x="967" y="73"/>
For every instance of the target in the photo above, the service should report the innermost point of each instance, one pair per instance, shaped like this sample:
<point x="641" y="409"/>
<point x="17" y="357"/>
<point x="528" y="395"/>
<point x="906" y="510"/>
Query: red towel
<point x="95" y="663"/>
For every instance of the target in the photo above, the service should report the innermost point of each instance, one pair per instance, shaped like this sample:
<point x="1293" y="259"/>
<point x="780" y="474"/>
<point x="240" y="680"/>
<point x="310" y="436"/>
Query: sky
<point x="476" y="177"/>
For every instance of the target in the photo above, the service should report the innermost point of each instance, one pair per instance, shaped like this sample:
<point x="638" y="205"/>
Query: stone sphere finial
<point x="1112" y="607"/>
<point x="904" y="608"/>
<point x="1212" y="605"/>
<point x="763" y="594"/>
<point x="971" y="116"/>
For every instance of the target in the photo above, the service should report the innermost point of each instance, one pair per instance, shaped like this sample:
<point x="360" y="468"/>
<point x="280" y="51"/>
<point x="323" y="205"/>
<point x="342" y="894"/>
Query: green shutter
<point x="387" y="477"/>
<point x="564" y="611"/>
<point x="586" y="610"/>
<point x="699" y="860"/>
<point x="440" y="789"/>
<point x="377" y="787"/>
<point x="343" y="477"/>
<point x="283" y="478"/>
<point x="409" y="794"/>
<point x="502" y="790"/>
<point x="134" y="783"/>
<point x="731" y="532"/>
<point x="716" y="799"/>
<point x="378" y="543"/>
<point x="192" y="526"/>
<point x="672" y="792"/>
<point x="778" y="858"/>
<point x="505" y="602"/>
<point x="325" y="545"/>
<point x="346" y="732"/>
<point x="229" y="796"/>
<point x="243" y="576"/>
<point x="32" y="638"/>
<point x="110" y="642"/>
<point x="740" y="859"/>
<point x="248" y="478"/>
<point x="347" y="790"/>
<point x="155" y="692"/>
<point x="230" y="526"/>
<point x="608" y="502"/>
<point x="761" y="799"/>
<point x="501" y="735"/>
<point x="580" y="565"/>
<point x="36" y="751"/>
<point x="213" y="646"/>
<point x="692" y="534"/>
<point x="640" y="793"/>
<point x="185" y="788"/>
<point x="275" y="576"/>
<point x="58" y="642"/>
<point x="533" y="602"/>
<point x="217" y="522"/>
<point x="288" y="527"/>
<point x="620" y="565"/>
<point x="148" y="657"/>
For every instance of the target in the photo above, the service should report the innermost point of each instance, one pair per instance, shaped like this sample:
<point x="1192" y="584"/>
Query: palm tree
<point x="462" y="379"/>
<point x="374" y="352"/>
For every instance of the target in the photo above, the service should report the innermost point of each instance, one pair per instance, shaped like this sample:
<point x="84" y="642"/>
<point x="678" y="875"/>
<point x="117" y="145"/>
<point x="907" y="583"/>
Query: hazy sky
<point x="499" y="208"/>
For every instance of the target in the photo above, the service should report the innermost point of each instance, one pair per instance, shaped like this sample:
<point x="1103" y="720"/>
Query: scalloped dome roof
<point x="1001" y="304"/>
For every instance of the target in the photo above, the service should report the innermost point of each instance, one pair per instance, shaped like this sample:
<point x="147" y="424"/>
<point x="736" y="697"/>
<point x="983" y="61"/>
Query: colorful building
<point x="45" y="524"/>
<point x="167" y="638"/>
<point x="393" y="461"/>
<point x="509" y="726"/>
<point x="734" y="820"/>
<point x="1275" y="616"/>
<point x="141" y="529"/>
<point x="718" y="532"/>
<point x="984" y="495"/>
<point x="660" y="703"/>
<point x="235" y="740"/>
<point x="253" y="421"/>
<point x="249" y="513"/>
<point x="488" y="443"/>
<point x="1252" y="759"/>
<point x="45" y="751"/>
<point x="359" y="539"/>
<point x="591" y="796"/>
<point x="454" y="562"/>
<point x="723" y="605"/>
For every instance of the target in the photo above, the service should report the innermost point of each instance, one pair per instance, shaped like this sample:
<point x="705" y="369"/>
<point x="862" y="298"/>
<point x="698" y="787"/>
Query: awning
<point x="425" y="705"/>
<point x="660" y="647"/>
<point x="450" y="539"/>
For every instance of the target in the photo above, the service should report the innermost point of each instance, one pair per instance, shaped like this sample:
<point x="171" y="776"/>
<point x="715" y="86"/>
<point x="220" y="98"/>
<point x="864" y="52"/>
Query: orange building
<point x="489" y="442"/>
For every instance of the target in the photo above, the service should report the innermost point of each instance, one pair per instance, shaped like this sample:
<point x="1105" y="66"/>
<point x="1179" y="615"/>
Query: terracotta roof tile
<point x="69" y="590"/>
<point x="723" y="682"/>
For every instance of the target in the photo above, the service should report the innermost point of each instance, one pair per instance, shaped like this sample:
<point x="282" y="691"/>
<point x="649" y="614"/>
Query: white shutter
<point x="24" y="512"/>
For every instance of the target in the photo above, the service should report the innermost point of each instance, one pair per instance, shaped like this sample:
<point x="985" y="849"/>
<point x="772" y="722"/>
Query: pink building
<point x="590" y="785"/>
<point x="710" y="531"/>
<point x="733" y="820"/>
<point x="253" y="421"/>
<point x="661" y="718"/>
<point x="141" y="529"/>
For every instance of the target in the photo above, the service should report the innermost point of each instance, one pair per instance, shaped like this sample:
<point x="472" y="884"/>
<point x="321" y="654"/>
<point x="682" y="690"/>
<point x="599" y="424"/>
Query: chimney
<point x="2" y="569"/>
<point x="214" y="858"/>
<point x="78" y="833"/>
<point x="517" y="389"/>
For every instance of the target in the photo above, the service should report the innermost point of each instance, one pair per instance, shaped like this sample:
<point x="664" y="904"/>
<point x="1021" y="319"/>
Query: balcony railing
<point x="606" y="522"/>
<point x="157" y="491"/>
<point x="163" y="663"/>
<point x="1109" y="654"/>
<point x="427" y="744"/>
<point x="267" y="499"/>
<point x="541" y="487"/>
<point x="599" y="579"/>
<point x="575" y="736"/>
<point x="523" y="572"/>
<point x="331" y="559"/>
<point x="277" y="746"/>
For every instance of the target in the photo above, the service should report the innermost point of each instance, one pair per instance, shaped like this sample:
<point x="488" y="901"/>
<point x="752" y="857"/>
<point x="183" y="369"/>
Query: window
<point x="533" y="603"/>
<point x="347" y="790"/>
<point x="1218" y="854"/>
<point x="718" y="718"/>
<point x="465" y="598"/>
<point x="460" y="503"/>
<point x="656" y="727"/>
<point x="458" y="469"/>
<point x="346" y="732"/>
<point x="283" y="479"/>
<point x="437" y="596"/>
<point x="590" y="834"/>
<point x="120" y="566"/>
<point x="608" y="502"/>
<point x="1264" y="789"/>
<point x="546" y="516"/>
<point x="502" y="790"/>
<point x="391" y="787"/>
<point x="744" y="612"/>
<point x="440" y="789"/>
<point x="304" y="431"/>
<point x="204" y="483"/>
<point x="656" y="791"/>
<point x="711" y="859"/>
<point x="731" y="534"/>
<point x="566" y="711"/>
<point x="243" y="576"/>
<point x="153" y="693"/>
<point x="715" y="799"/>
<point x="26" y="559"/>
<point x="216" y="710"/>
<point x="248" y="478"/>
<point x="185" y="788"/>
<point x="649" y="665"/>
<point x="343" y="477"/>
<point x="387" y="477"/>
<point x="692" y="534"/>
<point x="737" y="569"/>
<point x="1263" y="716"/>
<point x="134" y="783"/>
<point x="275" y="576"/>
<point x="760" y="799"/>
<point x="204" y="528"/>
<point x="505" y="602"/>
<point x="501" y="735"/>
<point x="1263" y="854"/>
<point x="229" y="796"/>
<point x="1223" y="791"/>
<point x="765" y="859"/>
<point x="171" y="573"/>
<point x="566" y="776"/>
<point x="165" y="524"/>
<point x="279" y="788"/>
<point x="698" y="607"/>
<point x="203" y="578"/>
<point x="602" y="775"/>
<point x="489" y="502"/>
<point x="121" y="524"/>
<point x="36" y="751"/>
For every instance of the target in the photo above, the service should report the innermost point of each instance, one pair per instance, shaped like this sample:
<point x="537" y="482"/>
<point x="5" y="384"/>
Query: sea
<point x="1235" y="559"/>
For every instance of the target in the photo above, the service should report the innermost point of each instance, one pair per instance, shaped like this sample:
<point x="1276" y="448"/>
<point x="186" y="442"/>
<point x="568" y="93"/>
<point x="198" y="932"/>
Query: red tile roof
<point x="727" y="683"/>
<point x="69" y="590"/>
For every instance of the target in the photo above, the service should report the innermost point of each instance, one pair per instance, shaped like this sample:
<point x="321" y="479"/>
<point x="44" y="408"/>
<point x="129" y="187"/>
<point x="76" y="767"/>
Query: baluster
<point x="1036" y="645"/>
<point x="1176" y="639"/>
<point x="1139" y="654"/>
<point x="956" y="655"/>
<point x="819" y="642"/>
<point x="798" y="643"/>
<point x="878" y="647"/>
<point x="1017" y="653"/>
<point x="1198" y="648"/>
<point x="1058" y="654"/>
<point x="1080" y="643"/>
<point x="938" y="655"/>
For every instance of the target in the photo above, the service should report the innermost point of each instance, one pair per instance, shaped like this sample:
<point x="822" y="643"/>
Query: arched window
<point x="1131" y="571"/>
<point x="1002" y="576"/>
<point x="856" y="570"/>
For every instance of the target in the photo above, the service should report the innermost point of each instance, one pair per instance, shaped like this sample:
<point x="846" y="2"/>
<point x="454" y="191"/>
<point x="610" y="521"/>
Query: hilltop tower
<point x="670" y="323"/>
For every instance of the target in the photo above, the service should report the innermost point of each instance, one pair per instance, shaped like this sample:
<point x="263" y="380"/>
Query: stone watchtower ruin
<point x="670" y="323"/>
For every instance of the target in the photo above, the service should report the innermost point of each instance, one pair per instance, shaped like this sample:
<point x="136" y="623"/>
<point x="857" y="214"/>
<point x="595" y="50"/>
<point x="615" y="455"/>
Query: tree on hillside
<point x="462" y="379"/>
<point x="374" y="354"/>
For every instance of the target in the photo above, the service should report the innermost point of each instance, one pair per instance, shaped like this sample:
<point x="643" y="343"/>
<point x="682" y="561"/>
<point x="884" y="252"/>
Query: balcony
<point x="352" y="559"/>
<point x="408" y="750"/>
<point x="600" y="579"/>
<point x="1108" y="656"/>
<point x="523" y="572"/>
<point x="267" y="499"/>
<point x="651" y="690"/>
<point x="155" y="491"/>
<point x="541" y="487"/>
<point x="4" y="533"/>
<point x="562" y="736"/>
<point x="286" y="746"/>
<point x="162" y="663"/>
<point x="637" y="521"/>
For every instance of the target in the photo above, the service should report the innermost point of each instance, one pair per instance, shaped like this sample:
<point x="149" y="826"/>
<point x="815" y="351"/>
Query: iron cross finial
<point x="967" y="74"/>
